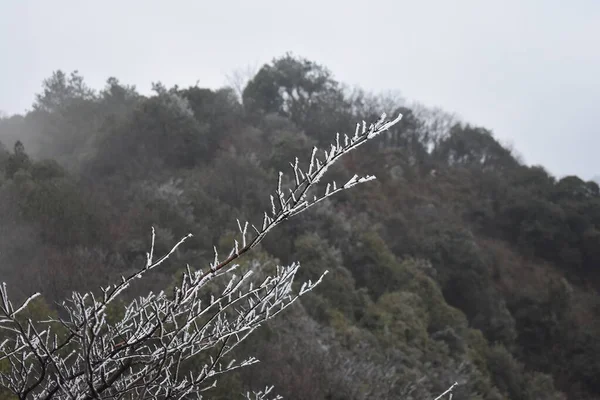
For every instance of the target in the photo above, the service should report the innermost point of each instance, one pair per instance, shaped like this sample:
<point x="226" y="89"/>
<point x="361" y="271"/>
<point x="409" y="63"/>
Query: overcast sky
<point x="527" y="70"/>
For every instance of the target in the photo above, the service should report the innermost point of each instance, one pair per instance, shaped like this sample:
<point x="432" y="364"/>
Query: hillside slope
<point x="458" y="264"/>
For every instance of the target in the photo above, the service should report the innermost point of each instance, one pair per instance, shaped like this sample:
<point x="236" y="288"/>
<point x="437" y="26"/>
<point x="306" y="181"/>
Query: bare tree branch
<point x="140" y="355"/>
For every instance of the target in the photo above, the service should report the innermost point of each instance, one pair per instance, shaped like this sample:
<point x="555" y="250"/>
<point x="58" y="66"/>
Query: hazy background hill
<point x="460" y="263"/>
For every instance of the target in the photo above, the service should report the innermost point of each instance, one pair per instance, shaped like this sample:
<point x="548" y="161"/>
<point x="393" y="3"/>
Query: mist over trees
<point x="459" y="264"/>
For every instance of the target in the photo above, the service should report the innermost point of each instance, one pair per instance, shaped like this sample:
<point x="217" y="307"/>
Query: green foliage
<point x="65" y="116"/>
<point x="4" y="156"/>
<point x="338" y="289"/>
<point x="474" y="147"/>
<point x="513" y="380"/>
<point x="285" y="144"/>
<point x="38" y="310"/>
<point x="118" y="99"/>
<point x="17" y="161"/>
<point x="301" y="90"/>
<point x="581" y="362"/>
<point x="236" y="180"/>
<point x="440" y="315"/>
<point x="165" y="127"/>
<point x="422" y="292"/>
<point x="374" y="266"/>
<point x="399" y="317"/>
<point x="218" y="111"/>
<point x="160" y="131"/>
<point x="46" y="170"/>
<point x="290" y="85"/>
<point x="61" y="90"/>
<point x="508" y="374"/>
<point x="65" y="217"/>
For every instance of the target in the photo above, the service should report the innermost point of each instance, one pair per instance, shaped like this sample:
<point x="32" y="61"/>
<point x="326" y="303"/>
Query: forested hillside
<point x="459" y="263"/>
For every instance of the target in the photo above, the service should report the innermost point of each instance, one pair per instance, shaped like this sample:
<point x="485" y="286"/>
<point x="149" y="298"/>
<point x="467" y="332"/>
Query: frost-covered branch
<point x="262" y="395"/>
<point x="447" y="392"/>
<point x="140" y="356"/>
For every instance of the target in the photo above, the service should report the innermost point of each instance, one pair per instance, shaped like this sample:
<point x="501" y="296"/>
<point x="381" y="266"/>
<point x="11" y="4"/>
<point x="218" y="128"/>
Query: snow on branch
<point x="140" y="355"/>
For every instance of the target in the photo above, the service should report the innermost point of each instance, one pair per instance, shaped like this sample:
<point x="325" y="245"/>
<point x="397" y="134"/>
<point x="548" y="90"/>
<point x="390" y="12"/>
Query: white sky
<point x="528" y="70"/>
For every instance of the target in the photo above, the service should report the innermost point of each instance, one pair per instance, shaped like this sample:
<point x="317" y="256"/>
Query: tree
<point x="301" y="90"/>
<point x="118" y="99"/>
<point x="18" y="160"/>
<point x="157" y="132"/>
<point x="65" y="115"/>
<point x="467" y="145"/>
<point x="60" y="91"/>
<point x="291" y="86"/>
<point x="139" y="354"/>
<point x="218" y="110"/>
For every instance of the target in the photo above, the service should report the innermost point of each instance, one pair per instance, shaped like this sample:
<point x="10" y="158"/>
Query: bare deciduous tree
<point x="239" y="78"/>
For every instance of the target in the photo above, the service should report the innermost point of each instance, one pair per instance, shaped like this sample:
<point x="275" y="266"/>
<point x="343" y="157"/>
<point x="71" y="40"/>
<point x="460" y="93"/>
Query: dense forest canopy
<point x="460" y="263"/>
